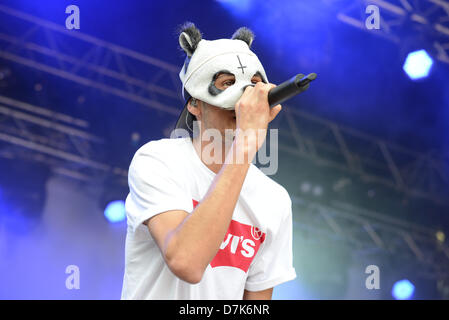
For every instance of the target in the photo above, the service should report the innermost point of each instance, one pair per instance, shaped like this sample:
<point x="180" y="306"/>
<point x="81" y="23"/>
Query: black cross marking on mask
<point x="241" y="66"/>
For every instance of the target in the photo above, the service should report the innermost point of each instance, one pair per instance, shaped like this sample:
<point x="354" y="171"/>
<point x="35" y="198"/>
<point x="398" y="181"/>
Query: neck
<point x="213" y="156"/>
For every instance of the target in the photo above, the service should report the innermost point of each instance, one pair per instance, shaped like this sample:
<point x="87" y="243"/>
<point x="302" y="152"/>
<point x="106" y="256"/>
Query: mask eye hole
<point x="224" y="80"/>
<point x="257" y="77"/>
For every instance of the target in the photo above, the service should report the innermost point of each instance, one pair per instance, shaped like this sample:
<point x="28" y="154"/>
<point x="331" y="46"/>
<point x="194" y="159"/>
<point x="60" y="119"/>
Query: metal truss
<point x="87" y="61"/>
<point x="58" y="140"/>
<point x="369" y="233"/>
<point x="372" y="159"/>
<point x="121" y="72"/>
<point x="64" y="143"/>
<point x="69" y="54"/>
<point x="427" y="19"/>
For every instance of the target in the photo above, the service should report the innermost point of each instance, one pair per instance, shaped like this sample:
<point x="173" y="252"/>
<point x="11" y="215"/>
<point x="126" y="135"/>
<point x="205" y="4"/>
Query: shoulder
<point x="157" y="154"/>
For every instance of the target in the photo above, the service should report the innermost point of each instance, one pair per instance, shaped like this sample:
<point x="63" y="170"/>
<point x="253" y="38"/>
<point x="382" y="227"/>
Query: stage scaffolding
<point x="66" y="145"/>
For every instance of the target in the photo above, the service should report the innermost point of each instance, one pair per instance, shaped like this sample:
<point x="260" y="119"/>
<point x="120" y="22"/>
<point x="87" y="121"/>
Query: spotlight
<point x="317" y="191"/>
<point x="4" y="73"/>
<point x="440" y="236"/>
<point x="115" y="211"/>
<point x="111" y="200"/>
<point x="418" y="64"/>
<point x="305" y="187"/>
<point x="135" y="139"/>
<point x="403" y="290"/>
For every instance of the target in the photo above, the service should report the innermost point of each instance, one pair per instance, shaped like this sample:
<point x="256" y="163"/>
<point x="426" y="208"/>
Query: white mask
<point x="205" y="59"/>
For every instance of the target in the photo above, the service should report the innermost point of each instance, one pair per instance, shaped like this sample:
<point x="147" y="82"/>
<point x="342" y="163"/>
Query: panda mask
<point x="206" y="59"/>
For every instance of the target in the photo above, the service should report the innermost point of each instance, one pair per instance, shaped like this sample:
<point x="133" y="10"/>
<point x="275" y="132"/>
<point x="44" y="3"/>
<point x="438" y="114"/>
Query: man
<point x="210" y="225"/>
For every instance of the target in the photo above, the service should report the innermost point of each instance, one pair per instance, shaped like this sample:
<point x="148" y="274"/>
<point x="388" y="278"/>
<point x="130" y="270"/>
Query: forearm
<point x="197" y="239"/>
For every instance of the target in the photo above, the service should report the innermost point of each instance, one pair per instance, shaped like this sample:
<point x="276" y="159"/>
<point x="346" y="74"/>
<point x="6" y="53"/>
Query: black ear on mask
<point x="244" y="34"/>
<point x="189" y="38"/>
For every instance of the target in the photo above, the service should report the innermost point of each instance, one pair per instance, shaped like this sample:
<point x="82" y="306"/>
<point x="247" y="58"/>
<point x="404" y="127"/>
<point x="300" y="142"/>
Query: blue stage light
<point x="403" y="290"/>
<point x="237" y="7"/>
<point x="115" y="211"/>
<point x="418" y="64"/>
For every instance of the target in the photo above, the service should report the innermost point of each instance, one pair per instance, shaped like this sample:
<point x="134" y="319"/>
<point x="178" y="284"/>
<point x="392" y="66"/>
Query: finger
<point x="267" y="87"/>
<point x="274" y="112"/>
<point x="245" y="94"/>
<point x="247" y="91"/>
<point x="248" y="88"/>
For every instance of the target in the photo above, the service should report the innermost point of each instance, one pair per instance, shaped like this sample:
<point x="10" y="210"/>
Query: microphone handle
<point x="290" y="88"/>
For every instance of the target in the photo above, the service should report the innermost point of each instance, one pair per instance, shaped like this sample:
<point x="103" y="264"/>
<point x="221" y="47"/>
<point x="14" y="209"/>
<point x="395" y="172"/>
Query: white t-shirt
<point x="256" y="253"/>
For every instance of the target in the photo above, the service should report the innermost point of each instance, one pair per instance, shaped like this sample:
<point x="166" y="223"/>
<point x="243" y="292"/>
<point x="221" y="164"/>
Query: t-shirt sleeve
<point x="273" y="265"/>
<point x="154" y="187"/>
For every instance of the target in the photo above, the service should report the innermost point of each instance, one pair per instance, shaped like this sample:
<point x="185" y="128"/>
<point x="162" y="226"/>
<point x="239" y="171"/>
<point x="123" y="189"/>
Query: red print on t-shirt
<point x="239" y="247"/>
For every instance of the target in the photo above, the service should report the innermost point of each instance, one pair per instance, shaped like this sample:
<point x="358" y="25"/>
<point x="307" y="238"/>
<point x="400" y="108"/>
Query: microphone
<point x="290" y="88"/>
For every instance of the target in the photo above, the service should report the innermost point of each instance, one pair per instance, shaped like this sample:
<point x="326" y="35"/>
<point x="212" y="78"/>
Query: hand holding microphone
<point x="288" y="89"/>
<point x="254" y="101"/>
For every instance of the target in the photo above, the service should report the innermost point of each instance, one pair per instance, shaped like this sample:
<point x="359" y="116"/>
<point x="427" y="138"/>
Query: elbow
<point x="185" y="269"/>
